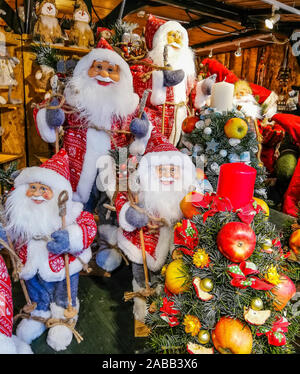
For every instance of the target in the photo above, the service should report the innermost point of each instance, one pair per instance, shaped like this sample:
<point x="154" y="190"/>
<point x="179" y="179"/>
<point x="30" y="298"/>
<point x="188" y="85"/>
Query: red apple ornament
<point x="236" y="241"/>
<point x="189" y="124"/>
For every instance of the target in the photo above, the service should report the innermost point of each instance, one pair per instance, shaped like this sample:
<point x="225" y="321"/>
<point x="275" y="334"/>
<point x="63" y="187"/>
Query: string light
<point x="210" y="54"/>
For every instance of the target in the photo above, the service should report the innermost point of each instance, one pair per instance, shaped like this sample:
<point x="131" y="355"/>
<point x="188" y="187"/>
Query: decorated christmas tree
<point x="214" y="138"/>
<point x="227" y="285"/>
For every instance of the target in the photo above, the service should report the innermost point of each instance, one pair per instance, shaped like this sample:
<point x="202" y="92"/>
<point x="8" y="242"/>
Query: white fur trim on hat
<point x="36" y="174"/>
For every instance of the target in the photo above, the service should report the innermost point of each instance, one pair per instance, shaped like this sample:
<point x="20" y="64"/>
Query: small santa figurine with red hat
<point x="162" y="179"/>
<point x="34" y="224"/>
<point x="9" y="343"/>
<point x="104" y="104"/>
<point x="169" y="71"/>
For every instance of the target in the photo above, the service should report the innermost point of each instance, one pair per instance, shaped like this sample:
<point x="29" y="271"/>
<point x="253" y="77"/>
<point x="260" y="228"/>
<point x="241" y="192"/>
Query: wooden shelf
<point x="41" y="158"/>
<point x="6" y="157"/>
<point x="64" y="48"/>
<point x="10" y="106"/>
<point x="4" y="87"/>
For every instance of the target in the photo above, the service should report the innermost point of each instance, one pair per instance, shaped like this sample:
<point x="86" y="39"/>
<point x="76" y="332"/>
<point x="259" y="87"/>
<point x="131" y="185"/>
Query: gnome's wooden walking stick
<point x="63" y="197"/>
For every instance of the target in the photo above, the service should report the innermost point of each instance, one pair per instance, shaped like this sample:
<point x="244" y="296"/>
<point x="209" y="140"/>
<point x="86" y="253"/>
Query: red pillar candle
<point x="236" y="182"/>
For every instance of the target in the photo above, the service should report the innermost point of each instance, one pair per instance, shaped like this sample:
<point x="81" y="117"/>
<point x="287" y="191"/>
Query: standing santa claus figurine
<point x="165" y="176"/>
<point x="169" y="71"/>
<point x="34" y="224"/>
<point x="101" y="95"/>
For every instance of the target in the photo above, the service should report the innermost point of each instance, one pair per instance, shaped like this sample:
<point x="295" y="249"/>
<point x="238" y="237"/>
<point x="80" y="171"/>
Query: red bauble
<point x="189" y="124"/>
<point x="236" y="241"/>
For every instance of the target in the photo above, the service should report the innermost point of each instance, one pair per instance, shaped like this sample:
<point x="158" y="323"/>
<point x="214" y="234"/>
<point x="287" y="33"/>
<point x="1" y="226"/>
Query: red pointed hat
<point x="6" y="304"/>
<point x="152" y="25"/>
<point x="54" y="173"/>
<point x="103" y="43"/>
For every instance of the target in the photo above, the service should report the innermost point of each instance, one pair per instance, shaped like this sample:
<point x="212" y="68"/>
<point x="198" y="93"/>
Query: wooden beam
<point x="130" y="7"/>
<point x="226" y="39"/>
<point x="212" y="8"/>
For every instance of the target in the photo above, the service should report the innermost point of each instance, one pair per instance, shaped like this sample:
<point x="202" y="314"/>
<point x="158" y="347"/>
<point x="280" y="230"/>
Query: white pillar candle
<point x="222" y="96"/>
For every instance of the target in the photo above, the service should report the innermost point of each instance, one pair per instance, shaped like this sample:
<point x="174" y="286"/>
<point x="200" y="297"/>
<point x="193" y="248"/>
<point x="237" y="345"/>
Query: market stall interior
<point x="232" y="97"/>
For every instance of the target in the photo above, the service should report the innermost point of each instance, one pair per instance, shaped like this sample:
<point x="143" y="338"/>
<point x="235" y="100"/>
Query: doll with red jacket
<point x="34" y="224"/>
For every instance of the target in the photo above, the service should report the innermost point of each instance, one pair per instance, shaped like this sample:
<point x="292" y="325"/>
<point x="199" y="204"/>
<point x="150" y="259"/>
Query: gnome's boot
<point x="29" y="329"/>
<point x="60" y="336"/>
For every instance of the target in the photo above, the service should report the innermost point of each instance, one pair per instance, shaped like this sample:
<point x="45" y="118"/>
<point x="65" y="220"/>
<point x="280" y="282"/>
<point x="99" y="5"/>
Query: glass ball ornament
<point x="206" y="284"/>
<point x="223" y="153"/>
<point x="207" y="131"/>
<point x="203" y="336"/>
<point x="257" y="303"/>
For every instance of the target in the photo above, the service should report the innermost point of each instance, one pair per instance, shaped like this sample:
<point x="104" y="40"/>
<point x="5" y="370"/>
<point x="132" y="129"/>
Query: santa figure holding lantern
<point x="53" y="244"/>
<point x="169" y="72"/>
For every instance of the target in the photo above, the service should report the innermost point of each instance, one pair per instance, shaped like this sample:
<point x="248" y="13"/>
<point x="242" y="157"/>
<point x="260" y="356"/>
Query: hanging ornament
<point x="212" y="145"/>
<point x="200" y="125"/>
<point x="257" y="303"/>
<point x="223" y="153"/>
<point x="234" y="142"/>
<point x="207" y="131"/>
<point x="206" y="284"/>
<point x="204" y="336"/>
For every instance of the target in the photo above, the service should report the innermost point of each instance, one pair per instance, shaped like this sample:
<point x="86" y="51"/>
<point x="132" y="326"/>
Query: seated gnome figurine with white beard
<point x="45" y="241"/>
<point x="164" y="176"/>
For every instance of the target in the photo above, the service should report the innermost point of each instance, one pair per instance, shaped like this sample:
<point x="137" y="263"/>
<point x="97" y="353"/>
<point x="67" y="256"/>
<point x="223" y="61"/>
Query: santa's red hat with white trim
<point x="54" y="173"/>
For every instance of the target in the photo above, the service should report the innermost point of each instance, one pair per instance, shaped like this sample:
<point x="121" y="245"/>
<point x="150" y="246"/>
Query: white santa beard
<point x="25" y="219"/>
<point x="249" y="106"/>
<point x="99" y="105"/>
<point x="163" y="204"/>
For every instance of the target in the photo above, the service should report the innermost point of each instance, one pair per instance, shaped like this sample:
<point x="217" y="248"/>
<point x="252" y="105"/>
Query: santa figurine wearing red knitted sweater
<point x="103" y="104"/>
<point x="163" y="177"/>
<point x="45" y="242"/>
<point x="169" y="72"/>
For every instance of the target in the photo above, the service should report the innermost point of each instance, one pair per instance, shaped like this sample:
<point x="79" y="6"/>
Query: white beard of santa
<point x="27" y="220"/>
<point x="249" y="106"/>
<point x="163" y="200"/>
<point x="99" y="106"/>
